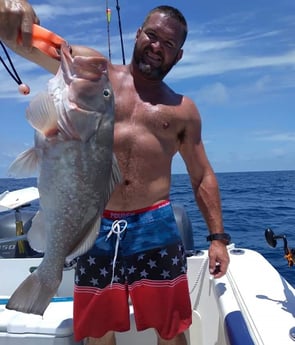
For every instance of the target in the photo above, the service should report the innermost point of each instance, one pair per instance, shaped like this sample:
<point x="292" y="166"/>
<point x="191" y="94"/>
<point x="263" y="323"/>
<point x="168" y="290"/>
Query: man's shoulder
<point x="183" y="100"/>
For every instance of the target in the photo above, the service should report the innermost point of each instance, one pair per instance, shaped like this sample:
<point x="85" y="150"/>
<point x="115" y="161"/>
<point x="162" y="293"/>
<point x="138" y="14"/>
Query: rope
<point x="14" y="75"/>
<point x="23" y="88"/>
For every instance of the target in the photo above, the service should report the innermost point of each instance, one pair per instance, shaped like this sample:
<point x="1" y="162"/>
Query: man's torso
<point x="147" y="135"/>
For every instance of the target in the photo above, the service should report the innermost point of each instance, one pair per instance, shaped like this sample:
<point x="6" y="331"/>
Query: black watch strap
<point x="219" y="236"/>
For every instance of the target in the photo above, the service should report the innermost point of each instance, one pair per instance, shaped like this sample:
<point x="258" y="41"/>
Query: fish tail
<point x="32" y="296"/>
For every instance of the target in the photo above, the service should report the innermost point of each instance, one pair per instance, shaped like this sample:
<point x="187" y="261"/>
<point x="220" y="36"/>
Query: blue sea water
<point x="251" y="202"/>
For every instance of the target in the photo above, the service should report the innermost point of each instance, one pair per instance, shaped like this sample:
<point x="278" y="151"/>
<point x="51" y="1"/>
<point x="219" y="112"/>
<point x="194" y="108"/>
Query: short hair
<point x="171" y="12"/>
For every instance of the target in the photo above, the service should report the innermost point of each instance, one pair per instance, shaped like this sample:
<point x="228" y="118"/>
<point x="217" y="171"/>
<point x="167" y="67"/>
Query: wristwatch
<point x="220" y="236"/>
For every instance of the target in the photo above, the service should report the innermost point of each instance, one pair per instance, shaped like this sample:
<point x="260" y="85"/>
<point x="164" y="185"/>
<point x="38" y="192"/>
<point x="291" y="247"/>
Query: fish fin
<point x="31" y="296"/>
<point x="25" y="164"/>
<point x="86" y="243"/>
<point x="37" y="234"/>
<point x="116" y="176"/>
<point x="42" y="114"/>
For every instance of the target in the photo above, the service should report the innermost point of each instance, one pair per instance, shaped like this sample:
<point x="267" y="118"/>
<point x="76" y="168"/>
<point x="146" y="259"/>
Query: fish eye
<point x="106" y="93"/>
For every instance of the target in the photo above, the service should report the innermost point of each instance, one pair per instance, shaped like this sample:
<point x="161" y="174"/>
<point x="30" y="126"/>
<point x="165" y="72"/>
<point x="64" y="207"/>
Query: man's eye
<point x="151" y="35"/>
<point x="170" y="44"/>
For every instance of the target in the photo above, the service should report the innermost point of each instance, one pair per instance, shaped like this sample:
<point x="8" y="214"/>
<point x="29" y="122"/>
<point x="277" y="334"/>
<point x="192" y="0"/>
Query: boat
<point x="251" y="305"/>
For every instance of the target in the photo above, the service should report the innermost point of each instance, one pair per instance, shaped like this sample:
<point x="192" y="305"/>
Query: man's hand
<point x="16" y="19"/>
<point x="218" y="259"/>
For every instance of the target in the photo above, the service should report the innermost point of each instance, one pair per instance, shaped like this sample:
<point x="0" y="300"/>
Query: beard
<point x="146" y="68"/>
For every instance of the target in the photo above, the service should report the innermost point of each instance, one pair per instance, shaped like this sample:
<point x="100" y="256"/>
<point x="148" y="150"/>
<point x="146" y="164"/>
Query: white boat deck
<point x="251" y="305"/>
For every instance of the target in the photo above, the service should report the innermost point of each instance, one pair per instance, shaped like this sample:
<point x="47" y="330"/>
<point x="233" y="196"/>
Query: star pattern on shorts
<point x="175" y="260"/>
<point x="91" y="260"/>
<point x="82" y="270"/>
<point x="165" y="274"/>
<point x="103" y="271"/>
<point x="152" y="263"/>
<point x="94" y="281"/>
<point x="166" y="263"/>
<point x="144" y="274"/>
<point x="131" y="269"/>
<point x="163" y="252"/>
<point x="140" y="257"/>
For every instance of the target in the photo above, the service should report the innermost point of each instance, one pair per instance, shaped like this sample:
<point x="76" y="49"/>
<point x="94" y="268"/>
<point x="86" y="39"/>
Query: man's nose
<point x="156" y="45"/>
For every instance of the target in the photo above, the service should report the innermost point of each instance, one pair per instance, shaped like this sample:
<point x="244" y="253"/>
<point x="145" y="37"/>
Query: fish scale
<point x="74" y="126"/>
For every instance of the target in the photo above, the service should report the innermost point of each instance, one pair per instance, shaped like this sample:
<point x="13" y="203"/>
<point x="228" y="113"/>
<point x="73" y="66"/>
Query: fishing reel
<point x="271" y="239"/>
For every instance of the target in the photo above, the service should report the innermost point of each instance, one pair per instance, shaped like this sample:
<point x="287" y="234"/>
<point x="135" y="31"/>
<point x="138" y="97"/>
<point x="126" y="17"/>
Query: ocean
<point x="251" y="203"/>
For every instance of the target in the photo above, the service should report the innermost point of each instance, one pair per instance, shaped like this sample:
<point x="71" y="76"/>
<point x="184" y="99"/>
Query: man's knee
<point x="178" y="340"/>
<point x="107" y="339"/>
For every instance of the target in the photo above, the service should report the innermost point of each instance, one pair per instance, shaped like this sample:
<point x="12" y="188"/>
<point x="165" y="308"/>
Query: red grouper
<point x="74" y="127"/>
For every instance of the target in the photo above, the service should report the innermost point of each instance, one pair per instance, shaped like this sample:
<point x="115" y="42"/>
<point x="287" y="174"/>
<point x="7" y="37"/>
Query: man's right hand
<point x="17" y="18"/>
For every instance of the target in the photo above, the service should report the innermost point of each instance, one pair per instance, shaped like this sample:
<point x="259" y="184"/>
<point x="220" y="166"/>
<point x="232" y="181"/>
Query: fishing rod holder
<point x="271" y="239"/>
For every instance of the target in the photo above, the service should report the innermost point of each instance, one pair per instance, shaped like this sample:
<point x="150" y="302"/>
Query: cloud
<point x="274" y="136"/>
<point x="222" y="62"/>
<point x="216" y="93"/>
<point x="68" y="9"/>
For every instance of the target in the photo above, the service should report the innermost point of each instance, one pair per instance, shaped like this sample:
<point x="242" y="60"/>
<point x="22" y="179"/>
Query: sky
<point x="238" y="67"/>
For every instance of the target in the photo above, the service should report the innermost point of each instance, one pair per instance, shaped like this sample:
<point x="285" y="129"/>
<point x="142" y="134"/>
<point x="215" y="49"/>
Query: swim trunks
<point x="137" y="254"/>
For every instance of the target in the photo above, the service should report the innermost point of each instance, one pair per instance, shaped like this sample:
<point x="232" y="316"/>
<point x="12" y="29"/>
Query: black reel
<point x="271" y="239"/>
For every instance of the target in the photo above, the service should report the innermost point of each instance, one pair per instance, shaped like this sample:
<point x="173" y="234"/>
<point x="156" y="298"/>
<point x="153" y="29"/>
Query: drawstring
<point x="118" y="227"/>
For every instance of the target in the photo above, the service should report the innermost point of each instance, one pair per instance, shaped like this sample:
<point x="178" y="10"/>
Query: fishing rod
<point x="108" y="14"/>
<point x="120" y="31"/>
<point x="108" y="17"/>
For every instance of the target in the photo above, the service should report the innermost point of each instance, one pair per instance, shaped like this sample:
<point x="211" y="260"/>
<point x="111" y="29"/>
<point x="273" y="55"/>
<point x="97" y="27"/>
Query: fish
<point x="73" y="121"/>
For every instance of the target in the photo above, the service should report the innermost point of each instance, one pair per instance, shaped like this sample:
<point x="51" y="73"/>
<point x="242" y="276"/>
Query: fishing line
<point x="23" y="88"/>
<point x="108" y="15"/>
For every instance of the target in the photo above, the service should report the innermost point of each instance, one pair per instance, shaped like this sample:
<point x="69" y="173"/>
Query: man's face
<point x="158" y="46"/>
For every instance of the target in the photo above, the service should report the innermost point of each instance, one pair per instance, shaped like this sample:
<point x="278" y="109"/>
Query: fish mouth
<point x="84" y="67"/>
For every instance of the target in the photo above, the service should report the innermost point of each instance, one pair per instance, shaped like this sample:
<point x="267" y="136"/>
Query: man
<point x="152" y="124"/>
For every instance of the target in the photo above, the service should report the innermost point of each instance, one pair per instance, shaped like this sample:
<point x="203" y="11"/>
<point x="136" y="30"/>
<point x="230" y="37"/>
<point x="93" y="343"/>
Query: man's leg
<point x="178" y="340"/>
<point x="107" y="339"/>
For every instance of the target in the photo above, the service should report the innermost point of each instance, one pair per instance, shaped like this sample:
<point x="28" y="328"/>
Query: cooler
<point x="54" y="328"/>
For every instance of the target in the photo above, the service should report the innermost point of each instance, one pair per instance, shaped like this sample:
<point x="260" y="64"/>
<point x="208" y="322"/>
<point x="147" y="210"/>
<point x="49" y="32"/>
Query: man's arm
<point x="205" y="186"/>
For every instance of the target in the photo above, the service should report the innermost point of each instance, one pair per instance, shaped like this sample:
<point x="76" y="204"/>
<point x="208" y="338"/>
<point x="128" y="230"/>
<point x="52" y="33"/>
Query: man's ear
<point x="139" y="30"/>
<point x="179" y="55"/>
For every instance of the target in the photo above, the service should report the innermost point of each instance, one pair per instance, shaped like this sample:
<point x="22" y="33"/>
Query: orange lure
<point x="47" y="42"/>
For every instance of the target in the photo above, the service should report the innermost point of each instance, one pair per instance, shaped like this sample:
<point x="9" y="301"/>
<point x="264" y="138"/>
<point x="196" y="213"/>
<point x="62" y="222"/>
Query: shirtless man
<point x="152" y="124"/>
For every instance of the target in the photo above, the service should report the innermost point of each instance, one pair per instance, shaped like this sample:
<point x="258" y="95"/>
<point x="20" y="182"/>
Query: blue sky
<point x="238" y="67"/>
